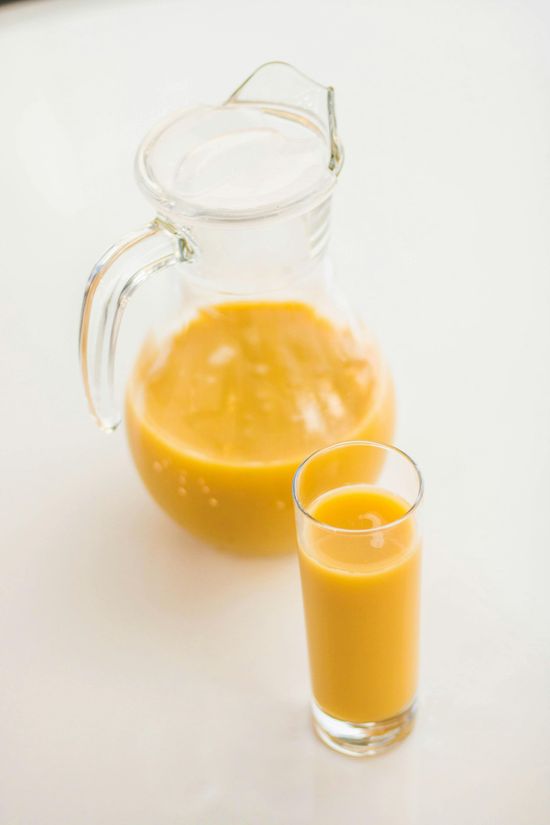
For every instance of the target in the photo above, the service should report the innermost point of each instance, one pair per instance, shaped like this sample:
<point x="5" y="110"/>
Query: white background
<point x="147" y="680"/>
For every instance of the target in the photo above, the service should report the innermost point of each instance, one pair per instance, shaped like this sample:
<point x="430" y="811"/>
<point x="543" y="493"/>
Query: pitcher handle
<point x="107" y="293"/>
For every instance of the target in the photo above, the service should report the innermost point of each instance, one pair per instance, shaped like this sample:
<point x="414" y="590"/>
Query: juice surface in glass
<point x="220" y="416"/>
<point x="361" y="599"/>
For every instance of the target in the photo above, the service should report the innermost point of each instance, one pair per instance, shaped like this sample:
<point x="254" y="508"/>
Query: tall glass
<point x="357" y="506"/>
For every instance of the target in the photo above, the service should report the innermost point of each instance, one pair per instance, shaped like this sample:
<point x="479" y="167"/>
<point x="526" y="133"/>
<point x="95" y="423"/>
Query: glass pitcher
<point x="259" y="360"/>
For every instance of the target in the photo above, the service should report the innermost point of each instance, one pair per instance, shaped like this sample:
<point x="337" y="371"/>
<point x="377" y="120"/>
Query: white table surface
<point x="148" y="680"/>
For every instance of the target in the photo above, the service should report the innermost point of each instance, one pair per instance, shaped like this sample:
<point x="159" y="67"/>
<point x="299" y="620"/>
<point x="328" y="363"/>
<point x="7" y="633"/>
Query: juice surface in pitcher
<point x="220" y="415"/>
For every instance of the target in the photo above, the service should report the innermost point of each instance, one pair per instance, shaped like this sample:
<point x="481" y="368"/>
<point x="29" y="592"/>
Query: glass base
<point x="362" y="738"/>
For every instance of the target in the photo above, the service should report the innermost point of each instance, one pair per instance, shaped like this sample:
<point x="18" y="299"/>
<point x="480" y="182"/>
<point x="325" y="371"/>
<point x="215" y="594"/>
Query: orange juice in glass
<point x="357" y="507"/>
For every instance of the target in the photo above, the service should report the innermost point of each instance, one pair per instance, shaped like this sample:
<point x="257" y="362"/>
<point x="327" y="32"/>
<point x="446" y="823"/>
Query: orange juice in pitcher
<point x="260" y="360"/>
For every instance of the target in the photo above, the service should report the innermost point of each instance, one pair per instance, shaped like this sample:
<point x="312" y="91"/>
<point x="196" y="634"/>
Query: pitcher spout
<point x="280" y="88"/>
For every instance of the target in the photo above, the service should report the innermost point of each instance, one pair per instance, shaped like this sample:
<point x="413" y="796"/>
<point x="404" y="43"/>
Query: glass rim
<point x="390" y="448"/>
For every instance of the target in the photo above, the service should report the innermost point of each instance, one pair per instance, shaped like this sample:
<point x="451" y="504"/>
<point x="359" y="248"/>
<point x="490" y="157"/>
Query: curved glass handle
<point x="108" y="290"/>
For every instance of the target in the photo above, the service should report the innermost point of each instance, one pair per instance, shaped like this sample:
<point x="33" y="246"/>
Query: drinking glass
<point x="357" y="505"/>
